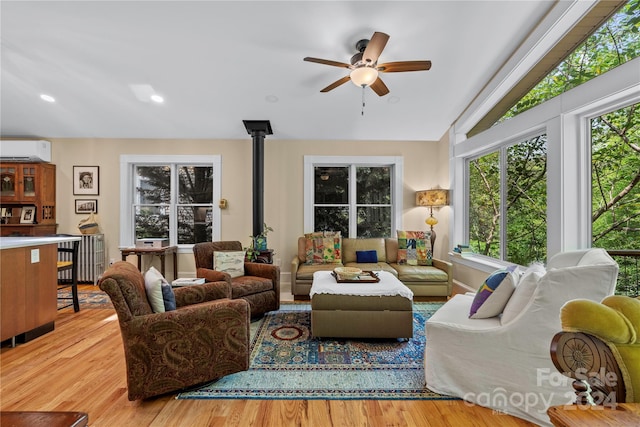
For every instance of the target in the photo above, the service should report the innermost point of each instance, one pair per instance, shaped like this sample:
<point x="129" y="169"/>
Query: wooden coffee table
<point x="625" y="414"/>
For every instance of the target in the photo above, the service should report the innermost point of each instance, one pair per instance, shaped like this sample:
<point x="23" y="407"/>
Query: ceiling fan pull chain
<point x="363" y="100"/>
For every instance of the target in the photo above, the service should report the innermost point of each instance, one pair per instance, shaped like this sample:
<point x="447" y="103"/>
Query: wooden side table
<point x="159" y="252"/>
<point x="265" y="256"/>
<point x="625" y="414"/>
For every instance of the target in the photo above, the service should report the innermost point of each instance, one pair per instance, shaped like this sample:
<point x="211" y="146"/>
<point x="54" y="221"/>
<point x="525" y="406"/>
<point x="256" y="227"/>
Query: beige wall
<point x="425" y="166"/>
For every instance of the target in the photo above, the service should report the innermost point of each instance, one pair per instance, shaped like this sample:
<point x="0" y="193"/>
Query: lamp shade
<point x="432" y="198"/>
<point x="363" y="76"/>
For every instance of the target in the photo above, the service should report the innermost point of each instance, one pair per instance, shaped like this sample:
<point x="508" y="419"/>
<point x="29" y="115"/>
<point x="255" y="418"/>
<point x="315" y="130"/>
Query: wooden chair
<point x="65" y="264"/>
<point x="599" y="348"/>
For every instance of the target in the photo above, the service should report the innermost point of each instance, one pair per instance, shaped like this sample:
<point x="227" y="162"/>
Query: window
<point x="614" y="43"/>
<point x="615" y="179"/>
<point x="508" y="202"/>
<point x="356" y="196"/>
<point x="576" y="132"/>
<point x="170" y="197"/>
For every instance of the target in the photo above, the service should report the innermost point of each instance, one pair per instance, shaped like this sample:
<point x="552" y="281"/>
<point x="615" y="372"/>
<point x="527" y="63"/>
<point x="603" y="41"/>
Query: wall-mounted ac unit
<point x="25" y="151"/>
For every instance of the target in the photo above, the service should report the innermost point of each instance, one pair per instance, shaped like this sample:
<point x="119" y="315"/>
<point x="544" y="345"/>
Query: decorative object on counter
<point x="86" y="180"/>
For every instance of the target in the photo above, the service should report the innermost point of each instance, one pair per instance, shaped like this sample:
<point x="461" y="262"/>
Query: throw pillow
<point x="414" y="248"/>
<point x="494" y="294"/>
<point x="231" y="262"/>
<point x="159" y="291"/>
<point x="366" y="256"/>
<point x="323" y="247"/>
<point x="524" y="291"/>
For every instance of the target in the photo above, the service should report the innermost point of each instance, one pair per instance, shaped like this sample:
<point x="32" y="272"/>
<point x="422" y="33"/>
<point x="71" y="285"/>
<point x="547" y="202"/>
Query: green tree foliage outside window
<point x="334" y="206"/>
<point x="524" y="167"/>
<point x="192" y="203"/>
<point x="613" y="44"/>
<point x="615" y="179"/>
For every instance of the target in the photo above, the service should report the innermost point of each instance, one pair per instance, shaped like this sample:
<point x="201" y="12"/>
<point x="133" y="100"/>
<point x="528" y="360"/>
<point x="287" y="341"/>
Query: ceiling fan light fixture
<point x="363" y="76"/>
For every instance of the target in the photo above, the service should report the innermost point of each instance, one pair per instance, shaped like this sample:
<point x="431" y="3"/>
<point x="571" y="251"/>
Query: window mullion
<point x="173" y="202"/>
<point x="353" y="208"/>
<point x="503" y="203"/>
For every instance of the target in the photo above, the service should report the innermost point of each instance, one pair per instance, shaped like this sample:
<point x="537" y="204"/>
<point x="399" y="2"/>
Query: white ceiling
<point x="217" y="63"/>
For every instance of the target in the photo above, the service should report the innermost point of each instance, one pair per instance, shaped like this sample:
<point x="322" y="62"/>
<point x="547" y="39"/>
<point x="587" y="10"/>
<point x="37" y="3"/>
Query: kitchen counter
<point x="24" y="241"/>
<point x="28" y="286"/>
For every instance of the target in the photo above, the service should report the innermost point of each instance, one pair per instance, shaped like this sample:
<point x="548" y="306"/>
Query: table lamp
<point x="432" y="198"/>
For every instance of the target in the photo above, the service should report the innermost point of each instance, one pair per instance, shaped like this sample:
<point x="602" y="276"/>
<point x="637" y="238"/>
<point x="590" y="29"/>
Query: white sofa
<point x="506" y="365"/>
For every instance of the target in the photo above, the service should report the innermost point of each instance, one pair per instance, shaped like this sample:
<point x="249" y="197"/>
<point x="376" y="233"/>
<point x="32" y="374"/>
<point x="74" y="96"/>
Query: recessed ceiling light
<point x="157" y="98"/>
<point x="47" y="98"/>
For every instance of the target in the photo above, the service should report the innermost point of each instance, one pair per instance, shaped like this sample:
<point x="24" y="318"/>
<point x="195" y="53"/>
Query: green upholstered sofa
<point x="434" y="280"/>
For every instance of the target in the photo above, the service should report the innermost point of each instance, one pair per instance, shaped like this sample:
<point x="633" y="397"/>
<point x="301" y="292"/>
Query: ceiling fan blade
<point x="397" y="67"/>
<point x="327" y="62"/>
<point x="336" y="84"/>
<point x="374" y="47"/>
<point x="379" y="87"/>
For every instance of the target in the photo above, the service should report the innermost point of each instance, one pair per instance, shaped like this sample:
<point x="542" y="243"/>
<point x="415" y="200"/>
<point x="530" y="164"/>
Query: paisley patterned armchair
<point x="205" y="338"/>
<point x="259" y="286"/>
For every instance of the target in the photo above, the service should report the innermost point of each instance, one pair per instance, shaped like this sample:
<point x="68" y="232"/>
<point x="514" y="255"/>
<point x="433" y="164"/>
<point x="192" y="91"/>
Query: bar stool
<point x="66" y="265"/>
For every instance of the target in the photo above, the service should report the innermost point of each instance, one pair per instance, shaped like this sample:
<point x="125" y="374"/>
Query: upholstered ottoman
<point x="361" y="310"/>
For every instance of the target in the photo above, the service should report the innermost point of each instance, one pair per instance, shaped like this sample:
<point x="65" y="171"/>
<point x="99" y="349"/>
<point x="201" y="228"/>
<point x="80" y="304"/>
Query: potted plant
<point x="258" y="243"/>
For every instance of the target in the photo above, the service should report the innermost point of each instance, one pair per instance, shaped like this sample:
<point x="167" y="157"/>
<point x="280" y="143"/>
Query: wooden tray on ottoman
<point x="373" y="278"/>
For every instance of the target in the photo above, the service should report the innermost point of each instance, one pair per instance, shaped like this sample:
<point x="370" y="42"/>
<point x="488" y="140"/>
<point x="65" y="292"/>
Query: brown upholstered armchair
<point x="205" y="338"/>
<point x="260" y="285"/>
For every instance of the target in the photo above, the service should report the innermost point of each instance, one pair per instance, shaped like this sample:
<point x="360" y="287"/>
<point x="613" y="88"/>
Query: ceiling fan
<point x="364" y="65"/>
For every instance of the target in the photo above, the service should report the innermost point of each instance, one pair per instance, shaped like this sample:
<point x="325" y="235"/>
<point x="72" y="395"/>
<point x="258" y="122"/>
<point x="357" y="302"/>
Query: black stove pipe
<point x="258" y="129"/>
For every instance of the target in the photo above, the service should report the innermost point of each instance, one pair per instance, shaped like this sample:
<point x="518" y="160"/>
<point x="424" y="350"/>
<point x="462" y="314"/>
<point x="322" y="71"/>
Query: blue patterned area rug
<point x="286" y="363"/>
<point x="87" y="299"/>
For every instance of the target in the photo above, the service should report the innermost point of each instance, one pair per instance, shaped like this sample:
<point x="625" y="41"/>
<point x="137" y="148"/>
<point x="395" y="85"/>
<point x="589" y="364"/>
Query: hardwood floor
<point x="80" y="367"/>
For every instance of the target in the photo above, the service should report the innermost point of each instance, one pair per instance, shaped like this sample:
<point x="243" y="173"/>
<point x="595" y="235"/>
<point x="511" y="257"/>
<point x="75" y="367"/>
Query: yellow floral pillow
<point x="323" y="247"/>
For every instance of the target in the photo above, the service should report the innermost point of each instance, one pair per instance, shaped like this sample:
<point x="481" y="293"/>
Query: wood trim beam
<point x="598" y="15"/>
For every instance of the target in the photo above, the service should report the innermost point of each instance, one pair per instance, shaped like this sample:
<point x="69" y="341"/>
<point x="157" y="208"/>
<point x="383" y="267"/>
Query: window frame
<point x="502" y="151"/>
<point x="128" y="162"/>
<point x="396" y="164"/>
<point x="565" y="119"/>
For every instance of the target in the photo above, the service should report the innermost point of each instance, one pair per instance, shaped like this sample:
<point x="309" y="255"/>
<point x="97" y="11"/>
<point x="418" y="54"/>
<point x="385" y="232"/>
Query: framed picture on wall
<point x="86" y="206"/>
<point x="86" y="180"/>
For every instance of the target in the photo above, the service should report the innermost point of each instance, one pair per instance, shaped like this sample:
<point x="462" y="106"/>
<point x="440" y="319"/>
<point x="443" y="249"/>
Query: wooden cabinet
<point x="28" y="187"/>
<point x="28" y="290"/>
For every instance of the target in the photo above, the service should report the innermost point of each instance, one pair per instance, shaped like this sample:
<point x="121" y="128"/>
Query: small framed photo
<point x="86" y="180"/>
<point x="84" y="206"/>
<point x="28" y="215"/>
